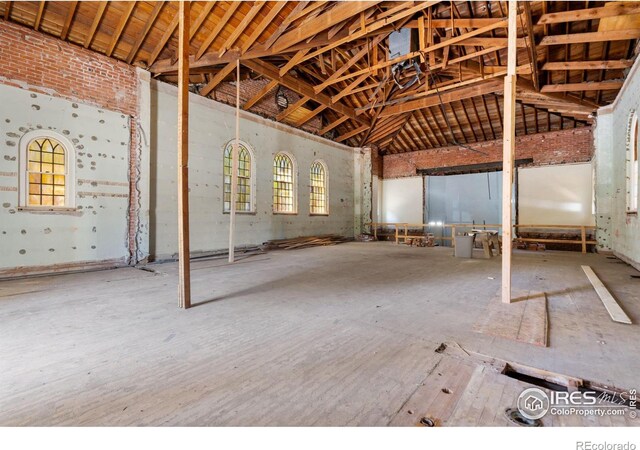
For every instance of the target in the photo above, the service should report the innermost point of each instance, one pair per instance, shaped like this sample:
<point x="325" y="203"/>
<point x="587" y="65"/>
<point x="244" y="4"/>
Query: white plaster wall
<point x="97" y="230"/>
<point x="211" y="126"/>
<point x="402" y="200"/>
<point x="556" y="195"/>
<point x="611" y="131"/>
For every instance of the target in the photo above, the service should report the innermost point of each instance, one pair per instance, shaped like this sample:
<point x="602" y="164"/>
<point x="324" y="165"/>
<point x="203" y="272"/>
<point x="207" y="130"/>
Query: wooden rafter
<point x="71" y="12"/>
<point x="121" y="24"/>
<point x="145" y="31"/>
<point x="94" y="25"/>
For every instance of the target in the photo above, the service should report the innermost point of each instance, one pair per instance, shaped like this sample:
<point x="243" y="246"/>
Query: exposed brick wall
<point x="266" y="107"/>
<point x="37" y="62"/>
<point x="556" y="147"/>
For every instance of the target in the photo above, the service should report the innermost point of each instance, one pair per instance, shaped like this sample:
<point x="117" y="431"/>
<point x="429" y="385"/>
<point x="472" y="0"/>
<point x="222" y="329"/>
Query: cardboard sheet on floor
<point x="524" y="319"/>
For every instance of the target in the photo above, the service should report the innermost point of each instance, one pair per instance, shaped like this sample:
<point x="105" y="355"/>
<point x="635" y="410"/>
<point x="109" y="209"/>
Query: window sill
<point x="281" y="213"/>
<point x="49" y="210"/>
<point x="244" y="213"/>
<point x="319" y="214"/>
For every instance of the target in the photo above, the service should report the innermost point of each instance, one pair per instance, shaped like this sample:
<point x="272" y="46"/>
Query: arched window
<point x="46" y="171"/>
<point x="245" y="187"/>
<point x="319" y="195"/>
<point x="284" y="194"/>
<point x="633" y="142"/>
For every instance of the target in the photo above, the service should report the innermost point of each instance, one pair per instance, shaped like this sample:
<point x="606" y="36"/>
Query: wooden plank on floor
<point x="524" y="320"/>
<point x="616" y="313"/>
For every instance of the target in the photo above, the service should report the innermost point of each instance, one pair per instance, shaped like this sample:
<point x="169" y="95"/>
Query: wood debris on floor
<point x="305" y="242"/>
<point x="525" y="319"/>
<point x="613" y="308"/>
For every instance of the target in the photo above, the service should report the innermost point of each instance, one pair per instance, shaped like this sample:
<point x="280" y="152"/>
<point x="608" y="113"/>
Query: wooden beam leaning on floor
<point x="303" y="88"/>
<point x="184" y="274"/>
<point x="508" y="151"/>
<point x="616" y="313"/>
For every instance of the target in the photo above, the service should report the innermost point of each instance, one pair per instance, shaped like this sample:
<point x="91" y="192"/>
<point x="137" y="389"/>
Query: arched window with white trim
<point x="284" y="184"/>
<point x="319" y="189"/>
<point x="245" y="191"/>
<point x="633" y="144"/>
<point x="46" y="171"/>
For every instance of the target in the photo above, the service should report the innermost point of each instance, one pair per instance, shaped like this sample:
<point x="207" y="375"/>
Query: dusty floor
<point x="339" y="335"/>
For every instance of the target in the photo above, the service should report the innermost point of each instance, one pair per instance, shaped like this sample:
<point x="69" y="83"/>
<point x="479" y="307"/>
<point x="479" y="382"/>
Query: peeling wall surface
<point x="211" y="126"/>
<point x="621" y="230"/>
<point x="96" y="230"/>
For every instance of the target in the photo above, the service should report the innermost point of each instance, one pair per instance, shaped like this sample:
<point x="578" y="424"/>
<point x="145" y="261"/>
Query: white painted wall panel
<point x="556" y="195"/>
<point x="97" y="230"/>
<point x="211" y="126"/>
<point x="402" y="200"/>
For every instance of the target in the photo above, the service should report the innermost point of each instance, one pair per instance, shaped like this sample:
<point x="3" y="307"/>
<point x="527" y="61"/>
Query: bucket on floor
<point x="464" y="246"/>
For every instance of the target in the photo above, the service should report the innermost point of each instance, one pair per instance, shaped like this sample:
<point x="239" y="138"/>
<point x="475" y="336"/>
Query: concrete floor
<point x="337" y="335"/>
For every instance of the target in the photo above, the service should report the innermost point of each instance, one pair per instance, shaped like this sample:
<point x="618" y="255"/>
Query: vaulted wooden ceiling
<point x="572" y="57"/>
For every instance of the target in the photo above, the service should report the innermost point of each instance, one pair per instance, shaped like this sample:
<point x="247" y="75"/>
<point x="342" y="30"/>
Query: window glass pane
<point x="283" y="184"/>
<point x="318" y="193"/>
<point x="243" y="188"/>
<point x="46" y="157"/>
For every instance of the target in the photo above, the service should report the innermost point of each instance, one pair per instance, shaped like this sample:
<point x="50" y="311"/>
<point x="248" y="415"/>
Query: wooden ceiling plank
<point x="217" y="79"/>
<point x="163" y="40"/>
<point x="256" y="98"/>
<point x="71" y="12"/>
<point x="195" y="26"/>
<point x="39" y="14"/>
<point x="588" y="65"/>
<point x="220" y="24"/>
<point x="268" y="19"/>
<point x="613" y="10"/>
<point x="479" y="121"/>
<point x="533" y="52"/>
<point x="126" y="15"/>
<point x="96" y="21"/>
<point x="301" y="87"/>
<point x="596" y="36"/>
<point x="339" y="12"/>
<point x="283" y="25"/>
<point x="587" y="86"/>
<point x="471" y="125"/>
<point x="309" y="116"/>
<point x="246" y="21"/>
<point x="489" y="119"/>
<point x="297" y="105"/>
<point x="147" y="27"/>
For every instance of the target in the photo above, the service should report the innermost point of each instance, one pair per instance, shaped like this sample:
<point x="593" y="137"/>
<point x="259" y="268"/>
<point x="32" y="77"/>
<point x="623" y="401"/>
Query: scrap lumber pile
<point x="305" y="242"/>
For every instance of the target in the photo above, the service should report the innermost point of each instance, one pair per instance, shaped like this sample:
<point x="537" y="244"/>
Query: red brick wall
<point x="556" y="147"/>
<point x="40" y="63"/>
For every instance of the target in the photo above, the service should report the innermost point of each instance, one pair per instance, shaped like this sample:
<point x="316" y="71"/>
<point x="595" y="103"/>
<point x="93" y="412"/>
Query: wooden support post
<point x="453" y="236"/>
<point x="234" y="170"/>
<point x="508" y="150"/>
<point x="397" y="241"/>
<point x="583" y="230"/>
<point x="184" y="274"/>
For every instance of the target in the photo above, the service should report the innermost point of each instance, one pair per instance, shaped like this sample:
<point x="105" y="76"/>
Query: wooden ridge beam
<point x="613" y="10"/>
<point x="597" y="36"/>
<point x="586" y="86"/>
<point x="588" y="65"/>
<point x="303" y="88"/>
